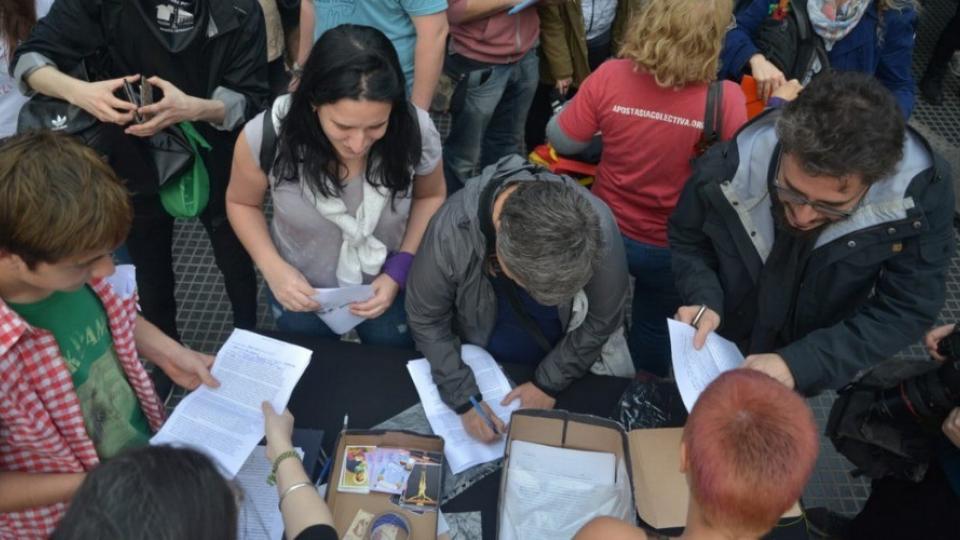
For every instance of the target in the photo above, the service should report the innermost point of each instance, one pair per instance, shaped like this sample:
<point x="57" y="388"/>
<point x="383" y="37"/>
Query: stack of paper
<point x="461" y="450"/>
<point x="694" y="369"/>
<point x="552" y="492"/>
<point x="226" y="423"/>
<point x="259" y="516"/>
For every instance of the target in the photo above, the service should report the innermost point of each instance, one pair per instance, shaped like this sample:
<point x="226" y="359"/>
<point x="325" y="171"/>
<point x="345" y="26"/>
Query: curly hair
<point x="844" y="123"/>
<point x="678" y="41"/>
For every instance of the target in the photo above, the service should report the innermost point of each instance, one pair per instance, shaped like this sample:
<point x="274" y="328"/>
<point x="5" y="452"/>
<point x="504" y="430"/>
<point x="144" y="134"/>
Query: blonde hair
<point x="678" y="41"/>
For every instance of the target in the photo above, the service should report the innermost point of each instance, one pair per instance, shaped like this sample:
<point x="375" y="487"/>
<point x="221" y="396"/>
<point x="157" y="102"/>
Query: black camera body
<point x="887" y="421"/>
<point x="927" y="398"/>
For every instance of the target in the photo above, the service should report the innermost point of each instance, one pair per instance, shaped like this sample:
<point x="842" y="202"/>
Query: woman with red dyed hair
<point x="748" y="448"/>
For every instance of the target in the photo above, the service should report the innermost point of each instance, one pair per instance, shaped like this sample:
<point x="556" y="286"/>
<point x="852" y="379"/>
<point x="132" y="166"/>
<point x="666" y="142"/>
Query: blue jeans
<point x="655" y="298"/>
<point x="389" y="329"/>
<point x="489" y="124"/>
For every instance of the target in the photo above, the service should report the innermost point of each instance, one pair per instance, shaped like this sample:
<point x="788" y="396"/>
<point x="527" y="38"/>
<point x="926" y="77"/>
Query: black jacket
<point x="230" y="58"/>
<point x="873" y="283"/>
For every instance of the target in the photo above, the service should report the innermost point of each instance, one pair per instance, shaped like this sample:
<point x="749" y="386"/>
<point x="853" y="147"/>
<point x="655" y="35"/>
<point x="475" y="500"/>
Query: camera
<point x="929" y="397"/>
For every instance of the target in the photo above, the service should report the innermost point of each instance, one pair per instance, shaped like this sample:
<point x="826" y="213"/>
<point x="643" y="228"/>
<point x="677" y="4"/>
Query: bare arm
<point x="429" y="192"/>
<point x="186" y="367"/>
<point x="245" y="194"/>
<point x="96" y="98"/>
<point x="307" y="25"/>
<point x="21" y="490"/>
<point x="470" y="10"/>
<point x="303" y="506"/>
<point x="428" y="56"/>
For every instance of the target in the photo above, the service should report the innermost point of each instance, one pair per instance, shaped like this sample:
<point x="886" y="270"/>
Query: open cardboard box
<point x="652" y="456"/>
<point x="344" y="505"/>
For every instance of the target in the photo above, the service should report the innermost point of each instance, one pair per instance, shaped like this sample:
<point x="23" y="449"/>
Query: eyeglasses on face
<point x="792" y="196"/>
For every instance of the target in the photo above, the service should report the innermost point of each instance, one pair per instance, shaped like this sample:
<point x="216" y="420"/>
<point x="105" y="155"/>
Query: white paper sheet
<point x="552" y="492"/>
<point x="461" y="450"/>
<point x="335" y="306"/>
<point x="226" y="423"/>
<point x="694" y="369"/>
<point x="259" y="517"/>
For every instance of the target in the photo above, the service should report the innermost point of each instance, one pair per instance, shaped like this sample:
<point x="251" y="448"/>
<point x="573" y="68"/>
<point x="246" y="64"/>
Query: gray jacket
<point x="450" y="301"/>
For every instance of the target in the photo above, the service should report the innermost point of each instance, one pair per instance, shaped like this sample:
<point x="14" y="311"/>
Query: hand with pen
<point x="481" y="423"/>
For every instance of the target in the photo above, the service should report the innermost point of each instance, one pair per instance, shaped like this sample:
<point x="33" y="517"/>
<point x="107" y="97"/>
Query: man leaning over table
<point x="817" y="239"/>
<point x="555" y="252"/>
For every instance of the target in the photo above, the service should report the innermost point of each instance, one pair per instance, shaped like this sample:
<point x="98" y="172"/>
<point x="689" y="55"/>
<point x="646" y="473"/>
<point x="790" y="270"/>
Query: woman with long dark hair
<point x="17" y="18"/>
<point x="355" y="177"/>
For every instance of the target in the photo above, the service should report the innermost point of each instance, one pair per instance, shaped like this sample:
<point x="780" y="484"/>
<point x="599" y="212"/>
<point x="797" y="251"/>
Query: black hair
<point x="152" y="493"/>
<point x="349" y="62"/>
<point x="844" y="123"/>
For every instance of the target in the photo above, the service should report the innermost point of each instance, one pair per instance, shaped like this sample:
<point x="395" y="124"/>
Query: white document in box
<point x="694" y="369"/>
<point x="552" y="492"/>
<point x="226" y="423"/>
<point x="461" y="450"/>
<point x="335" y="306"/>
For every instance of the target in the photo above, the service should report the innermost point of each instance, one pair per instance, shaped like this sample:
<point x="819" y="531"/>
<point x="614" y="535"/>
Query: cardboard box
<point x="652" y="458"/>
<point x="344" y="506"/>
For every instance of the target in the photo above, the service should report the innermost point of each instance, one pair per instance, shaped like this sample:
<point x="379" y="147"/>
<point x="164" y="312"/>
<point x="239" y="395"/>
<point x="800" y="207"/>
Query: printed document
<point x="335" y="306"/>
<point x="461" y="450"/>
<point x="694" y="369"/>
<point x="259" y="516"/>
<point x="226" y="423"/>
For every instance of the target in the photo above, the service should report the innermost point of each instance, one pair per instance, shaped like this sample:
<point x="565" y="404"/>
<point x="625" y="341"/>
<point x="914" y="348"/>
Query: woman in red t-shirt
<point x="649" y="105"/>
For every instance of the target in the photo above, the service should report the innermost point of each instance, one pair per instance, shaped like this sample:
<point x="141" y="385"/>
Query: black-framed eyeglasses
<point x="792" y="196"/>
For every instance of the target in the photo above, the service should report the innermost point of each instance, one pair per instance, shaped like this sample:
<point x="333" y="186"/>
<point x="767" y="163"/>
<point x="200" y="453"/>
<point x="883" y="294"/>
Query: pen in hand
<point x="483" y="414"/>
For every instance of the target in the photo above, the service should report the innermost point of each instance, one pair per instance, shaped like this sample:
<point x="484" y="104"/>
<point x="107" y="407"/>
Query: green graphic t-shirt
<point x="111" y="411"/>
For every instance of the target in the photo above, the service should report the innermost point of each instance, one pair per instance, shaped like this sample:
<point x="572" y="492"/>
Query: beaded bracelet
<point x="272" y="479"/>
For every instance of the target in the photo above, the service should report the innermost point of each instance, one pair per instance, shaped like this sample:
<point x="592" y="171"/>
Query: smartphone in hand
<point x="132" y="97"/>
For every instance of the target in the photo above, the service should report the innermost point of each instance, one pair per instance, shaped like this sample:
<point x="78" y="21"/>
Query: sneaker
<point x="826" y="524"/>
<point x="955" y="64"/>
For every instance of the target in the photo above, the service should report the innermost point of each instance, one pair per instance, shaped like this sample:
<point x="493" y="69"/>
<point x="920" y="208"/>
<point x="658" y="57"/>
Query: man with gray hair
<point x="527" y="265"/>
<point x="818" y="238"/>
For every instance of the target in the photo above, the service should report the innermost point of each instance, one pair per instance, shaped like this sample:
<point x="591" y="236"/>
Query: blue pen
<point x="483" y="414"/>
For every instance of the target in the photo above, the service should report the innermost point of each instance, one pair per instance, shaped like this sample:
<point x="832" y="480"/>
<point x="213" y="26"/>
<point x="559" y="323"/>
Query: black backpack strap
<point x="485" y="215"/>
<point x="811" y="45"/>
<point x="268" y="141"/>
<point x="712" y="118"/>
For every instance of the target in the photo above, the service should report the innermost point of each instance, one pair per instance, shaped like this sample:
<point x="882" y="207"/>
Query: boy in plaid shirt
<point x="73" y="391"/>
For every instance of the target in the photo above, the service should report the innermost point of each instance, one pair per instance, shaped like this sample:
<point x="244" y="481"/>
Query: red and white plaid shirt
<point x="41" y="424"/>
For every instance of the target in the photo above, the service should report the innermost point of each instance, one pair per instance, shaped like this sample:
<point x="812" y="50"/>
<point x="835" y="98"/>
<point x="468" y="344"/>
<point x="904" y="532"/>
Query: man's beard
<point x="779" y="212"/>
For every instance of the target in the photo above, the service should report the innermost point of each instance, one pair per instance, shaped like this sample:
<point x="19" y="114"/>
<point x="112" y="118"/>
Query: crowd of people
<point x="816" y="236"/>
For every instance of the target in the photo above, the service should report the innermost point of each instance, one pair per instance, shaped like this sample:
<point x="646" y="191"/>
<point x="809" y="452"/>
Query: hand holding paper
<point x="335" y="306"/>
<point x="695" y="368"/>
<point x="226" y="423"/>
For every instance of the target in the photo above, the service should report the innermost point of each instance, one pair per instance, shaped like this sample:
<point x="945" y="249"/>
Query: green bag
<point x="187" y="196"/>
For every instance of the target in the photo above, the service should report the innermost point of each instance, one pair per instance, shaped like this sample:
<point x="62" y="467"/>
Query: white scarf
<point x="360" y="252"/>
<point x="833" y="22"/>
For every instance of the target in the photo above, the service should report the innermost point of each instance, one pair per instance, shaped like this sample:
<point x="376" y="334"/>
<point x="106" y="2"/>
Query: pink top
<point x="496" y="39"/>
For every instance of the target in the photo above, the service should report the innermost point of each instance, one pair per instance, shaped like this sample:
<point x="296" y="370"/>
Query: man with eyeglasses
<point x="818" y="238"/>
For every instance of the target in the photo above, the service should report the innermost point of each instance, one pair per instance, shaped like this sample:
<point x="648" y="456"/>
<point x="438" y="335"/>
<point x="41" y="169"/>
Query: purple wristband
<point x="397" y="266"/>
<point x="775" y="102"/>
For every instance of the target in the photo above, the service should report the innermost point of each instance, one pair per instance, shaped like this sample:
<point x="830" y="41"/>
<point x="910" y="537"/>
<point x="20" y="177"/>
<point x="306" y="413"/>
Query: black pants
<point x="902" y="509"/>
<point x="150" y="245"/>
<point x="948" y="43"/>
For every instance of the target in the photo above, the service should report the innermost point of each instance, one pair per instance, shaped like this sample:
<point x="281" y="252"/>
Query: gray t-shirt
<point x="310" y="242"/>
